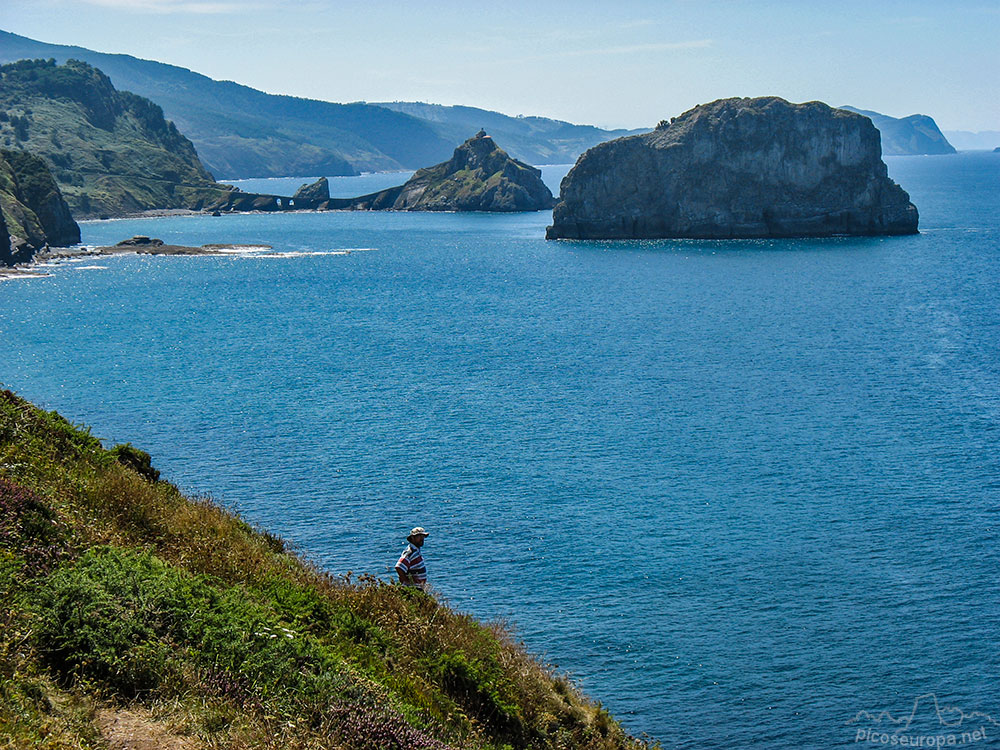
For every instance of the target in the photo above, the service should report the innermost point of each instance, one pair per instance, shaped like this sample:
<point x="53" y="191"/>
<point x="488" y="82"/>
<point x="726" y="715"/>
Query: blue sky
<point x="626" y="63"/>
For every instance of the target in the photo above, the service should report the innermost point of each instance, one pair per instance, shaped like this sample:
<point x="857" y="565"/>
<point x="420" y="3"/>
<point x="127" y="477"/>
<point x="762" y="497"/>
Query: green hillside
<point x="128" y="606"/>
<point x="111" y="152"/>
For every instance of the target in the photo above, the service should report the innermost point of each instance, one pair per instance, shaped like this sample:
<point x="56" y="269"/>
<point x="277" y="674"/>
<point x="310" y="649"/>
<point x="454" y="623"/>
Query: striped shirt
<point x="411" y="565"/>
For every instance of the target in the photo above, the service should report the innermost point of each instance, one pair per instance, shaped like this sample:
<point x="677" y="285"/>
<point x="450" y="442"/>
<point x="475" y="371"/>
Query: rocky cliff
<point x="904" y="136"/>
<point x="33" y="210"/>
<point x="111" y="152"/>
<point x="737" y="168"/>
<point x="6" y="258"/>
<point x="480" y="176"/>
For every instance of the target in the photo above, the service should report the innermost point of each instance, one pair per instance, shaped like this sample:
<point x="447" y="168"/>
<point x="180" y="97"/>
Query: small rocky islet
<point x="737" y="168"/>
<point x="480" y="176"/>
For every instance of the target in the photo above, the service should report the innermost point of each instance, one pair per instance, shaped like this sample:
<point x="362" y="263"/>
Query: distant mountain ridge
<point x="912" y="135"/>
<point x="536" y="140"/>
<point x="241" y="132"/>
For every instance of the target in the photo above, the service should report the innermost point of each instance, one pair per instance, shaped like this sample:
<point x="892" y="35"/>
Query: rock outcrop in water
<point x="38" y="191"/>
<point x="480" y="176"/>
<point x="737" y="168"/>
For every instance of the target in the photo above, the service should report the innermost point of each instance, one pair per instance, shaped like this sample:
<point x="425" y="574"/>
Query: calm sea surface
<point x="740" y="490"/>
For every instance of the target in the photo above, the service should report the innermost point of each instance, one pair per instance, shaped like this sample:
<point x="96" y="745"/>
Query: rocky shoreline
<point x="138" y="245"/>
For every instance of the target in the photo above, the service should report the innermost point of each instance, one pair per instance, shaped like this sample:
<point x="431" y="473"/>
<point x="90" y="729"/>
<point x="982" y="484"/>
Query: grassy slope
<point x="121" y="592"/>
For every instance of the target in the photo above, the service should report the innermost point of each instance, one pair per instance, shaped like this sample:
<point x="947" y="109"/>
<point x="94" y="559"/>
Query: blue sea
<point x="741" y="491"/>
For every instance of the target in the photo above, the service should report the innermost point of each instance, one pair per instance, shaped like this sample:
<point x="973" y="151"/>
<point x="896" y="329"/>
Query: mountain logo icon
<point x="926" y="712"/>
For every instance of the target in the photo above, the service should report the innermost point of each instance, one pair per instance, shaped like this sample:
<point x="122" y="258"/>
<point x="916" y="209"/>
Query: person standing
<point x="411" y="568"/>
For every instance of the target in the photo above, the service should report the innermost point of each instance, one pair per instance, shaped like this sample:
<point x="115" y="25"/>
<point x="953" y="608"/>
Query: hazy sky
<point x="624" y="63"/>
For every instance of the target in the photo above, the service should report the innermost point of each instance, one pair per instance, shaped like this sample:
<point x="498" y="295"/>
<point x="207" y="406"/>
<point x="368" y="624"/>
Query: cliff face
<point x="737" y="168"/>
<point x="40" y="193"/>
<point x="34" y="212"/>
<point x="480" y="176"/>
<point x="110" y="151"/>
<point x="5" y="254"/>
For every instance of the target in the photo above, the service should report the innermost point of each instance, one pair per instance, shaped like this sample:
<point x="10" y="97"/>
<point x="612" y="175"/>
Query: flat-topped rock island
<point x="737" y="168"/>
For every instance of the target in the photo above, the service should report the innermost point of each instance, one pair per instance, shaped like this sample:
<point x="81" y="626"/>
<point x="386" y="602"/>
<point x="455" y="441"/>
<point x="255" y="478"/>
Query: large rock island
<point x="737" y="168"/>
<point x="480" y="176"/>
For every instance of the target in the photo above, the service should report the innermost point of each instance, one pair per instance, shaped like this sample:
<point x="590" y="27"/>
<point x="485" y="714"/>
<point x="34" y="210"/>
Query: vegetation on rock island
<point x="175" y="618"/>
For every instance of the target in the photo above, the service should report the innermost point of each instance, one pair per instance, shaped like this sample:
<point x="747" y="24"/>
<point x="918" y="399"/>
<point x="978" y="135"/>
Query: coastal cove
<point x="741" y="490"/>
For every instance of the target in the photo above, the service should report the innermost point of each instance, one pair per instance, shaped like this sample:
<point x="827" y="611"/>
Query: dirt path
<point x="128" y="730"/>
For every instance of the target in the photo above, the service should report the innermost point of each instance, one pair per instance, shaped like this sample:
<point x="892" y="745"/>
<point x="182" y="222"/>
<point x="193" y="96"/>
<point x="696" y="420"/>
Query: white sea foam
<point x="16" y="276"/>
<point x="309" y="253"/>
<point x="241" y="249"/>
